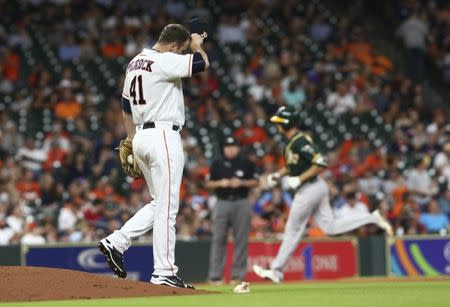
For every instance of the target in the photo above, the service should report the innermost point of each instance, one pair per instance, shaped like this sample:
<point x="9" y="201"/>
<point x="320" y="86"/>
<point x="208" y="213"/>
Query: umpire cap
<point x="286" y="116"/>
<point x="230" y="141"/>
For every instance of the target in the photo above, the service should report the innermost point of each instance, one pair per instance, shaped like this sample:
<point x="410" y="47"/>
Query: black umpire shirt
<point x="240" y="168"/>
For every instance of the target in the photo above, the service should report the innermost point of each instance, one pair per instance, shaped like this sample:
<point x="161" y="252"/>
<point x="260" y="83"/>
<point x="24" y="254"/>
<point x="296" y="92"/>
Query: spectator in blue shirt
<point x="271" y="199"/>
<point x="444" y="202"/>
<point x="294" y="95"/>
<point x="69" y="50"/>
<point x="434" y="220"/>
<point x="320" y="30"/>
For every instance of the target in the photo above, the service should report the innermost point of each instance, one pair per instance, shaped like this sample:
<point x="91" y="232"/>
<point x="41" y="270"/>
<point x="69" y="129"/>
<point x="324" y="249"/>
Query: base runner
<point x="304" y="162"/>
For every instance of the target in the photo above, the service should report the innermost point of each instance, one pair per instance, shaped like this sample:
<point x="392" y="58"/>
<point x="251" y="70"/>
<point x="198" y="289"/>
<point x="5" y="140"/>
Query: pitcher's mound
<point x="42" y="284"/>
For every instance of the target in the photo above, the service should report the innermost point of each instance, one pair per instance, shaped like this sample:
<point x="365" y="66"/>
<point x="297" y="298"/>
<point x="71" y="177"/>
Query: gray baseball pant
<point x="226" y="214"/>
<point x="312" y="199"/>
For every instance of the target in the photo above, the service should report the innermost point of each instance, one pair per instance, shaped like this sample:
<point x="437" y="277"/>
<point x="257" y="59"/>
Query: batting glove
<point x="273" y="179"/>
<point x="293" y="182"/>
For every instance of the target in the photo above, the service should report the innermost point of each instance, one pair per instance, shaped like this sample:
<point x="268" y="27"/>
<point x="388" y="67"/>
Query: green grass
<point x="334" y="294"/>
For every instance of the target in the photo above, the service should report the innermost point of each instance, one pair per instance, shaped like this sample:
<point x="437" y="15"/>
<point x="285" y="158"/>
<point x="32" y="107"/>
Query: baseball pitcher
<point x="304" y="162"/>
<point x="153" y="114"/>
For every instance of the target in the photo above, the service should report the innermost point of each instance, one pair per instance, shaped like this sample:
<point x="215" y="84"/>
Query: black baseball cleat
<point x="172" y="281"/>
<point x="114" y="258"/>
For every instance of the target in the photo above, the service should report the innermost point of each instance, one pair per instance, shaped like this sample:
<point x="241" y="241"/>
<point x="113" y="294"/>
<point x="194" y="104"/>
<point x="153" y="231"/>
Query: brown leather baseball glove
<point x="131" y="169"/>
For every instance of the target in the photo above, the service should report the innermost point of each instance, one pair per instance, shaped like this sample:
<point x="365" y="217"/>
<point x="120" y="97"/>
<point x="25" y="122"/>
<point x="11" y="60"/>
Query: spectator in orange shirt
<point x="113" y="49"/>
<point x="55" y="156"/>
<point x="11" y="65"/>
<point x="28" y="187"/>
<point x="373" y="162"/>
<point x="67" y="107"/>
<point x="405" y="205"/>
<point x="250" y="133"/>
<point x="359" y="47"/>
<point x="381" y="65"/>
<point x="345" y="149"/>
<point x="315" y="232"/>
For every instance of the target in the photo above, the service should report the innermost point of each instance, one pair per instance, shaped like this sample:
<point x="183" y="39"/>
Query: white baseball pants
<point x="159" y="153"/>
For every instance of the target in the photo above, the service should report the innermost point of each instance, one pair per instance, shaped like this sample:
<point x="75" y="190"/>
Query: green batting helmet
<point x="286" y="116"/>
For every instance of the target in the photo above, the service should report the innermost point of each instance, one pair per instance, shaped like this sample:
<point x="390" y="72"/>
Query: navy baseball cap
<point x="198" y="25"/>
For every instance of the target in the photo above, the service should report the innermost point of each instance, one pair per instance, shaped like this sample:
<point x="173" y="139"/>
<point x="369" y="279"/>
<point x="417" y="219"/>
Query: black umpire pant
<point x="226" y="214"/>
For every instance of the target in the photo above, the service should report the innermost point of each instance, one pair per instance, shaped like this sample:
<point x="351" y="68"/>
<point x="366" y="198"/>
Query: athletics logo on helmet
<point x="286" y="116"/>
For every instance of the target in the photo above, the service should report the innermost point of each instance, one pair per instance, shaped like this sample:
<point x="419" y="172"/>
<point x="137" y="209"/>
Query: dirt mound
<point x="43" y="284"/>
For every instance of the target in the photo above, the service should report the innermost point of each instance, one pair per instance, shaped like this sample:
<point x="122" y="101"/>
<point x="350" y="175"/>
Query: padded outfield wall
<point x="327" y="258"/>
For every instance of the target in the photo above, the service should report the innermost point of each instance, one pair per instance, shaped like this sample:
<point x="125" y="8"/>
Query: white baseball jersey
<point x="154" y="92"/>
<point x="153" y="86"/>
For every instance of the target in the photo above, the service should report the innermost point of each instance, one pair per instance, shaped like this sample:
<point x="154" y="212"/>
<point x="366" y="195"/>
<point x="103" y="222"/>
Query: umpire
<point x="231" y="178"/>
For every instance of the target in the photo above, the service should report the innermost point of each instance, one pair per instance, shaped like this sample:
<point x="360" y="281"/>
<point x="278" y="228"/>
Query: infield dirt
<point x="45" y="284"/>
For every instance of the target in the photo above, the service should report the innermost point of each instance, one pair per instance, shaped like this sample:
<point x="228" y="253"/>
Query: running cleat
<point x="274" y="276"/>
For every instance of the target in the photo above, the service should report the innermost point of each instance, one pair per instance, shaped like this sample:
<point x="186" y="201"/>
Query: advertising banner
<point x="420" y="256"/>
<point x="139" y="259"/>
<point x="311" y="260"/>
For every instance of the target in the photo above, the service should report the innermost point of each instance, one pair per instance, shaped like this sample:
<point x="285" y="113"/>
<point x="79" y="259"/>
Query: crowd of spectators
<point x="62" y="182"/>
<point x="424" y="26"/>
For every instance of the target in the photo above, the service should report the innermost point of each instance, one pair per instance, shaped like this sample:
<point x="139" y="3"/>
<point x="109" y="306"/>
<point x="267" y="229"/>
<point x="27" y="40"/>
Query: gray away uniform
<point x="310" y="199"/>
